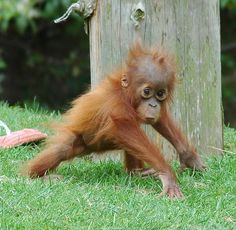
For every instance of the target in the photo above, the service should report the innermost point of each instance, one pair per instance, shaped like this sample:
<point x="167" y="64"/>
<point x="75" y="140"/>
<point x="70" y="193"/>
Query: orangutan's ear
<point x="124" y="81"/>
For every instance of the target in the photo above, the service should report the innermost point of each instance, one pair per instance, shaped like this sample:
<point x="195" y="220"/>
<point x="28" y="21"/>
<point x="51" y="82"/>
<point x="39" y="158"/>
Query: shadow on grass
<point x="105" y="174"/>
<point x="111" y="173"/>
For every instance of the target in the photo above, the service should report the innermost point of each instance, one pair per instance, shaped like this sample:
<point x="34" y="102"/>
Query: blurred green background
<point x="49" y="64"/>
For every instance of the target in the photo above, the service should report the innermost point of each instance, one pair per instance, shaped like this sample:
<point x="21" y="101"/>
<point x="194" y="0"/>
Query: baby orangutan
<point x="109" y="117"/>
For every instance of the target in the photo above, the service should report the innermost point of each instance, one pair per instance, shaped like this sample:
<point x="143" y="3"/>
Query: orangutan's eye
<point x="161" y="94"/>
<point x="147" y="92"/>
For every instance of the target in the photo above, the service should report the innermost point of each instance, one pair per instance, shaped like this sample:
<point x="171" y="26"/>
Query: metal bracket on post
<point x="84" y="8"/>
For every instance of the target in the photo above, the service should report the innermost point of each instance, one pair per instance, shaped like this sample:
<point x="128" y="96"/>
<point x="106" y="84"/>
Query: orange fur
<point x="106" y="118"/>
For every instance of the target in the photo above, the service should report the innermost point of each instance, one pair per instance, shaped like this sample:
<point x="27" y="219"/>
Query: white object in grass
<point x="7" y="130"/>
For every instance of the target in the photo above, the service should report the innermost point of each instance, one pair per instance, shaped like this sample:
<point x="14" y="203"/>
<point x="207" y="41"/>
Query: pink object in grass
<point x="21" y="137"/>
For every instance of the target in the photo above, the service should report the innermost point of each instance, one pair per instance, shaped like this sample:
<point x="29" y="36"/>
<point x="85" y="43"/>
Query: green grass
<point x="102" y="196"/>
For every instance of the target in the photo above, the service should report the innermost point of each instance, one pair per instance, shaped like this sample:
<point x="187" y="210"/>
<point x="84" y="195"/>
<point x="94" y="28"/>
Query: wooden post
<point x="190" y="30"/>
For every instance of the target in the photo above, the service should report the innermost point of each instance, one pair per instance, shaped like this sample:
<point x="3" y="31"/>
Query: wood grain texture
<point x="188" y="29"/>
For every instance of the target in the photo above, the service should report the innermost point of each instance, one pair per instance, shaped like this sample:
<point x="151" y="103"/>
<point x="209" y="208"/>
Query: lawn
<point x="102" y="196"/>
